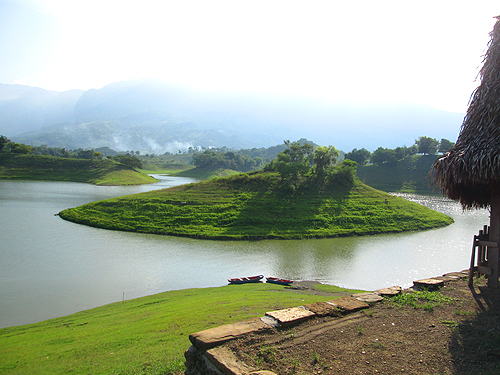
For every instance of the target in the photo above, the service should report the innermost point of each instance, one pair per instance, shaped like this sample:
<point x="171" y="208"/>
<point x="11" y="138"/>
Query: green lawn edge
<point x="252" y="207"/>
<point x="146" y="335"/>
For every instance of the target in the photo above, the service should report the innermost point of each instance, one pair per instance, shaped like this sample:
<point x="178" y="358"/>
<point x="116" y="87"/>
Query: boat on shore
<point x="246" y="280"/>
<point x="275" y="280"/>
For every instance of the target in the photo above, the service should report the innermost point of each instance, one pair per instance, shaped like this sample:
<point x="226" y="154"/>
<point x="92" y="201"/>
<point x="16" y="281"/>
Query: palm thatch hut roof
<point x="470" y="171"/>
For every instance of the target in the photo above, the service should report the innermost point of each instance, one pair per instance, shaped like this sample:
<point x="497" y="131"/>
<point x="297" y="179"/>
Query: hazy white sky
<point x="421" y="51"/>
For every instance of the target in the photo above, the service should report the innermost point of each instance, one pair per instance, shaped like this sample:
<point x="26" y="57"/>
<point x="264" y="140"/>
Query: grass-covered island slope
<point x="51" y="168"/>
<point x="254" y="206"/>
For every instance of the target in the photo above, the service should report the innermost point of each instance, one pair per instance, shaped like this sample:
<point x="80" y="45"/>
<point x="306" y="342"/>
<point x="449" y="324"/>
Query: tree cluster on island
<point x="301" y="163"/>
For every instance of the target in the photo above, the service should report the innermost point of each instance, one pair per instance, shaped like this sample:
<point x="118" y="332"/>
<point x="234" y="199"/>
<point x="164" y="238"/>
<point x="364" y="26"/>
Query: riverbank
<point x="253" y="206"/>
<point x="146" y="335"/>
<point x="452" y="330"/>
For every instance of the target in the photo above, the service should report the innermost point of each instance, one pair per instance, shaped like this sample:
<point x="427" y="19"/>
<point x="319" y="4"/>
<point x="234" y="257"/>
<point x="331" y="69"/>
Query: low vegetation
<point x="255" y="206"/>
<point x="420" y="299"/>
<point x="141" y="336"/>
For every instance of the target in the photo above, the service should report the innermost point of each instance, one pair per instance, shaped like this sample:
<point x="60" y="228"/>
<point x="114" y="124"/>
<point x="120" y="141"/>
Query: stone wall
<point x="208" y="356"/>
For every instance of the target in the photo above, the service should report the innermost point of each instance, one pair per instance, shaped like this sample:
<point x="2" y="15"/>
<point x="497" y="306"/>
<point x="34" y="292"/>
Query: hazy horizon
<point x="426" y="52"/>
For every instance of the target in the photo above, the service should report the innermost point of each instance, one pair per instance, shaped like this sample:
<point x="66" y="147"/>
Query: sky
<point x="427" y="52"/>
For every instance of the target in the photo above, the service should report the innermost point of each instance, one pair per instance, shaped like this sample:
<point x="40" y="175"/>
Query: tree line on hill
<point x="423" y="145"/>
<point x="244" y="160"/>
<point x="250" y="159"/>
<point x="228" y="160"/>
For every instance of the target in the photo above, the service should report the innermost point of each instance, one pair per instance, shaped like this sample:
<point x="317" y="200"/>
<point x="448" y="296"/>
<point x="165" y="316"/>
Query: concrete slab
<point x="226" y="362"/>
<point x="323" y="309"/>
<point x="391" y="291"/>
<point x="368" y="297"/>
<point x="349" y="304"/>
<point x="291" y="316"/>
<point x="214" y="336"/>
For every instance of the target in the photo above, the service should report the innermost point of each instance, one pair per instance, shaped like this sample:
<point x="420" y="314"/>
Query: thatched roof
<point x="471" y="169"/>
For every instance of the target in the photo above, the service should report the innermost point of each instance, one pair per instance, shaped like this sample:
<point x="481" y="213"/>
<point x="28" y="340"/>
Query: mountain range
<point x="153" y="116"/>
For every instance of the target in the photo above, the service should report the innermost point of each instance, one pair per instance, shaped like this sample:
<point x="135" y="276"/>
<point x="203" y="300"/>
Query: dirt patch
<point x="457" y="334"/>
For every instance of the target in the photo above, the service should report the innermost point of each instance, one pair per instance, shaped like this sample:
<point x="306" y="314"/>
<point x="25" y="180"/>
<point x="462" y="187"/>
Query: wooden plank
<point x="486" y="243"/>
<point x="471" y="268"/>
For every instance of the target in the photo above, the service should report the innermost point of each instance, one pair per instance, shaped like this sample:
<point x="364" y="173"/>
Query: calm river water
<point x="50" y="267"/>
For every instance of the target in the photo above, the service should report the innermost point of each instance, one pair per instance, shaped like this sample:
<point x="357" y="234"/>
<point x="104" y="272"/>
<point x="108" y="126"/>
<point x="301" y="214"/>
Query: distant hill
<point x="152" y="116"/>
<point x="25" y="108"/>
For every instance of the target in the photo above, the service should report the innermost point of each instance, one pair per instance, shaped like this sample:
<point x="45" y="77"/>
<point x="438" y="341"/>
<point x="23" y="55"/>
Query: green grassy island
<point x="255" y="206"/>
<point x="51" y="168"/>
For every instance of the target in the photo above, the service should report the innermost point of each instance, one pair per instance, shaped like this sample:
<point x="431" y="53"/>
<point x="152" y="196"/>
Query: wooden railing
<point x="479" y="265"/>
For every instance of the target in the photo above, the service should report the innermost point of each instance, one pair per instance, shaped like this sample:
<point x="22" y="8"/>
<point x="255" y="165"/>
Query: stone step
<point x="368" y="297"/>
<point x="349" y="304"/>
<point x="431" y="284"/>
<point x="457" y="275"/>
<point x="323" y="309"/>
<point x="291" y="316"/>
<point x="391" y="291"/>
<point x="226" y="362"/>
<point x="212" y="337"/>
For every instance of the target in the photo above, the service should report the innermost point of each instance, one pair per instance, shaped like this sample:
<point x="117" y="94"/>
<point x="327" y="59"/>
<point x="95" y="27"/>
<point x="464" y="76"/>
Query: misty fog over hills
<point x="152" y="116"/>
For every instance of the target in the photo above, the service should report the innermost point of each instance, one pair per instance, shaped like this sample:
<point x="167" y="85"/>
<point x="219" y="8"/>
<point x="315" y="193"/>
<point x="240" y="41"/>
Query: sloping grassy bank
<point x="409" y="175"/>
<point x="141" y="336"/>
<point x="51" y="168"/>
<point x="252" y="206"/>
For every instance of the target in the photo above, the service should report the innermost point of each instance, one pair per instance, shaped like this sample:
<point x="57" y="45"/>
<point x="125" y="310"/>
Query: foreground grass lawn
<point x="146" y="335"/>
<point x="252" y="206"/>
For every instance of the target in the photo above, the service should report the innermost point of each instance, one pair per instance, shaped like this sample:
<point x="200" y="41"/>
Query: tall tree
<point x="427" y="145"/>
<point x="324" y="156"/>
<point x="294" y="162"/>
<point x="3" y="142"/>
<point x="383" y="155"/>
<point x="445" y="145"/>
<point x="359" y="156"/>
<point x="402" y="152"/>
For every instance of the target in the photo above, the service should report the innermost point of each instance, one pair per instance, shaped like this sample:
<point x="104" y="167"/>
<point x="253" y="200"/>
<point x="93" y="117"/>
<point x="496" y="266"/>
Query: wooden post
<point x="480" y="248"/>
<point x="471" y="268"/>
<point x="494" y="236"/>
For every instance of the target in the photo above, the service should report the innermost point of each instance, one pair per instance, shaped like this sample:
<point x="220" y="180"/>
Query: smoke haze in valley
<point x="155" y="117"/>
